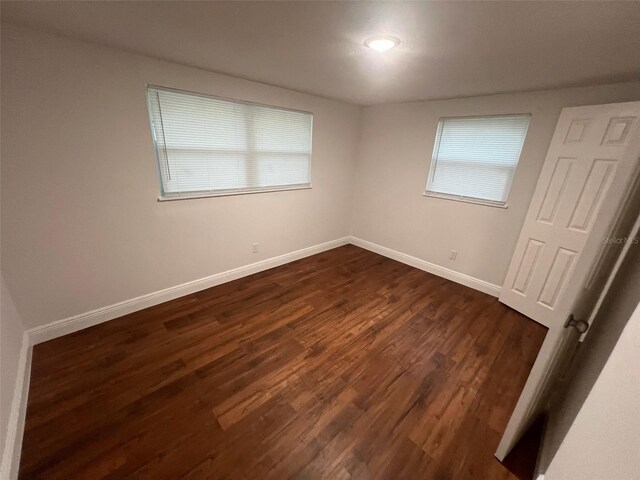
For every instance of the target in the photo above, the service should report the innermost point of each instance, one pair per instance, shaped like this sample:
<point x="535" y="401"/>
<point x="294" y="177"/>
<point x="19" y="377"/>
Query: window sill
<point x="227" y="193"/>
<point x="474" y="201"/>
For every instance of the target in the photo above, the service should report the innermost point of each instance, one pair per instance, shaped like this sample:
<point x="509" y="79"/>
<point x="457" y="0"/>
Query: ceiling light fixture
<point x="382" y="43"/>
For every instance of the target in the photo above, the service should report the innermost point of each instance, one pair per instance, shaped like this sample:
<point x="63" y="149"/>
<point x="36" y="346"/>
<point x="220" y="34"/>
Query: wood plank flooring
<point x="343" y="365"/>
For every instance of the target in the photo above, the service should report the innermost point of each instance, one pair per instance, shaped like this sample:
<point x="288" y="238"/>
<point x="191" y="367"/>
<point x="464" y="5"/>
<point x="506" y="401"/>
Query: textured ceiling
<point x="448" y="49"/>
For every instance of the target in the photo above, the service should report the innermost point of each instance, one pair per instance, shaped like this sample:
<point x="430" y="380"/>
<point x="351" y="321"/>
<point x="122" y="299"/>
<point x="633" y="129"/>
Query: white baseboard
<point x="84" y="320"/>
<point x="15" y="427"/>
<point x="11" y="456"/>
<point x="443" y="272"/>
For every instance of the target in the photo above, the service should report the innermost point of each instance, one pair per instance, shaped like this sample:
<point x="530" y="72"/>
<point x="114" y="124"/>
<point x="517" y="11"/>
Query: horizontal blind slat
<point x="476" y="157"/>
<point x="206" y="144"/>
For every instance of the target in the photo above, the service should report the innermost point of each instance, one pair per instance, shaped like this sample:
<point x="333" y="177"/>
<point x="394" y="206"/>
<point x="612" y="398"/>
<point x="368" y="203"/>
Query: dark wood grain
<point x="344" y="365"/>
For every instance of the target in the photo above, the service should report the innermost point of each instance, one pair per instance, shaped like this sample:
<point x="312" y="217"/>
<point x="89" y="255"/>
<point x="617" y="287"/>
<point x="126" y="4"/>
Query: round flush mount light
<point x="382" y="43"/>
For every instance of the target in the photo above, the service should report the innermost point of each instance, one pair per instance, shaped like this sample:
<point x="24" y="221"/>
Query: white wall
<point x="11" y="333"/>
<point x="604" y="439"/>
<point x="81" y="227"/>
<point x="395" y="151"/>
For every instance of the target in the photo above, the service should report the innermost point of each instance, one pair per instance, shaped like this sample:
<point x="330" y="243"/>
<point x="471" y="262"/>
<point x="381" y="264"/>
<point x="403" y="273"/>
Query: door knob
<point x="580" y="325"/>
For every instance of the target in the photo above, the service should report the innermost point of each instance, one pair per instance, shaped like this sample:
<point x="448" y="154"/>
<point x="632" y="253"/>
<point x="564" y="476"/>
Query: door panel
<point x="556" y="277"/>
<point x="581" y="170"/>
<point x="598" y="182"/>
<point x="527" y="266"/>
<point x="555" y="190"/>
<point x="589" y="189"/>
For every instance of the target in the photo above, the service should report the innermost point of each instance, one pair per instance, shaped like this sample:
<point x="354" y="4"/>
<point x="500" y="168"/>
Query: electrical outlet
<point x="453" y="254"/>
<point x="254" y="248"/>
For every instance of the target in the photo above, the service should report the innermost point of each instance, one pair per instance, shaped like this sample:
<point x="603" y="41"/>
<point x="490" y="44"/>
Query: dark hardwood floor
<point x="344" y="365"/>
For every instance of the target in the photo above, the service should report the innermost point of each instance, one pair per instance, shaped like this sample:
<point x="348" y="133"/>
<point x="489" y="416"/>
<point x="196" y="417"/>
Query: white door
<point x="586" y="192"/>
<point x="585" y="168"/>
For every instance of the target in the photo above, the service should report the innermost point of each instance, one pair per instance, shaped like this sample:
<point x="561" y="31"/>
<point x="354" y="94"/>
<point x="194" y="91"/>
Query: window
<point x="474" y="158"/>
<point x="210" y="146"/>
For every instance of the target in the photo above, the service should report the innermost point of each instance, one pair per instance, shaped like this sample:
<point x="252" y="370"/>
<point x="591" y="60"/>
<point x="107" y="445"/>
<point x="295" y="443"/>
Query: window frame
<point x="169" y="197"/>
<point x="464" y="198"/>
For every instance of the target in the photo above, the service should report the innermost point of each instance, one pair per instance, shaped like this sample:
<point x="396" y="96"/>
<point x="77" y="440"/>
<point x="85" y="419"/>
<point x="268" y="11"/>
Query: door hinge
<point x="580" y="325"/>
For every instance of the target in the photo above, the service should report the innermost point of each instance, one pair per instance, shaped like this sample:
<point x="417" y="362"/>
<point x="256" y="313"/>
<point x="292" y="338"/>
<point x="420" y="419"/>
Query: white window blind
<point x="207" y="146"/>
<point x="475" y="158"/>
